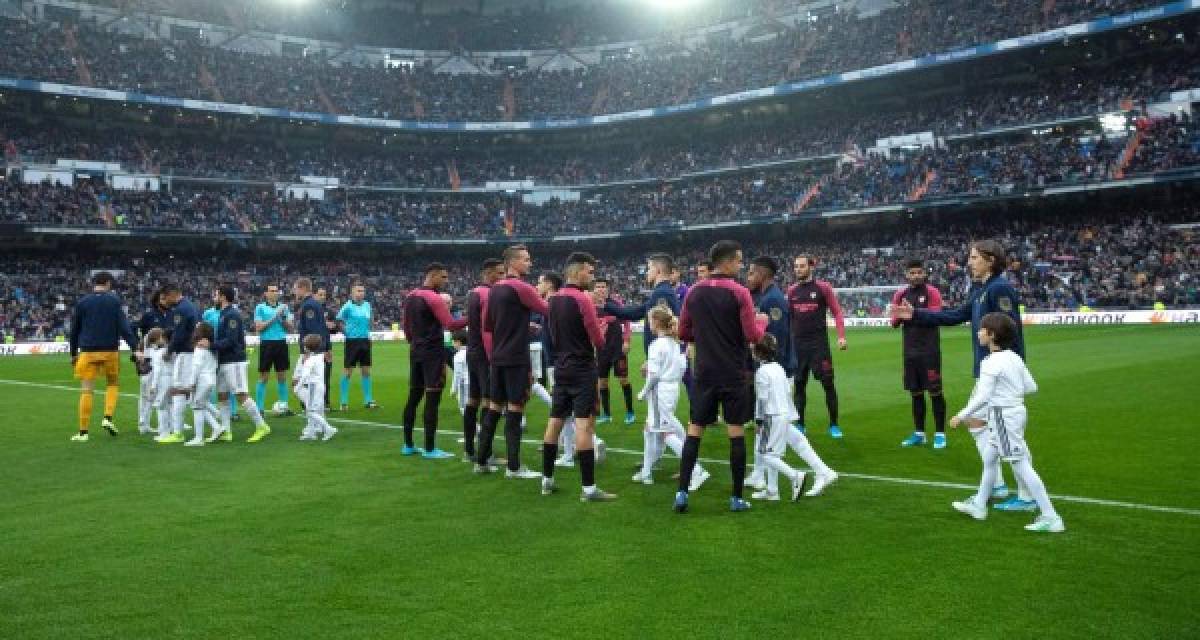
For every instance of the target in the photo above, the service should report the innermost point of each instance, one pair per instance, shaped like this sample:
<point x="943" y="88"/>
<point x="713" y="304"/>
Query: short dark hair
<point x="1002" y="327"/>
<point x="767" y="349"/>
<point x="435" y="266"/>
<point x="102" y="279"/>
<point x="580" y="257"/>
<point x="554" y="279"/>
<point x="227" y="292"/>
<point x="914" y="263"/>
<point x="156" y="298"/>
<point x="664" y="261"/>
<point x="723" y="250"/>
<point x="171" y="288"/>
<point x="768" y="263"/>
<point x="809" y="259"/>
<point x="203" y="331"/>
<point x="459" y="336"/>
<point x="491" y="263"/>
<point x="994" y="250"/>
<point x="511" y="252"/>
<point x="312" y="342"/>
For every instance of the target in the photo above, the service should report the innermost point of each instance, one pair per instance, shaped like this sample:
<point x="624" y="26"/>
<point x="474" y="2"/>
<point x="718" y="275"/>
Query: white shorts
<point x="1006" y="432"/>
<point x="231" y="378"/>
<point x="535" y="359"/>
<point x="661" y="403"/>
<point x="181" y="370"/>
<point x="202" y="394"/>
<point x="773" y="436"/>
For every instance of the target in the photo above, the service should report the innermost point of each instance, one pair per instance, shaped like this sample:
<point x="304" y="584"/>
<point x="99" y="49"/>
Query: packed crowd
<point x="534" y="26"/>
<point x="367" y="159"/>
<point x="1117" y="259"/>
<point x="839" y="41"/>
<point x="852" y="182"/>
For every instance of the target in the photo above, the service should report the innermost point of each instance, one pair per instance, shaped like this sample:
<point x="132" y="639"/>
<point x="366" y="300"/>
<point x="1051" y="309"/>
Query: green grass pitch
<point x="124" y="538"/>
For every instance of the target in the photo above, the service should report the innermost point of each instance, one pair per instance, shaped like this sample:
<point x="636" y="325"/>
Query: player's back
<point x="714" y="320"/>
<point x="508" y="317"/>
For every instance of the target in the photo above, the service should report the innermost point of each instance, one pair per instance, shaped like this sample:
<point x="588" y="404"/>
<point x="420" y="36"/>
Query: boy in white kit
<point x="202" y="384"/>
<point x="998" y="401"/>
<point x="310" y="387"/>
<point x="665" y="364"/>
<point x="152" y="343"/>
<point x="774" y="408"/>
<point x="460" y="383"/>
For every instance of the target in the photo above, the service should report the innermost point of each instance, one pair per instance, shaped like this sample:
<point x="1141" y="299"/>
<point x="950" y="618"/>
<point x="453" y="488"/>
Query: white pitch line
<point x="860" y="476"/>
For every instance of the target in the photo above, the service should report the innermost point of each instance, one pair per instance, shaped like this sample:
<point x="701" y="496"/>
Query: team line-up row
<point x="747" y="344"/>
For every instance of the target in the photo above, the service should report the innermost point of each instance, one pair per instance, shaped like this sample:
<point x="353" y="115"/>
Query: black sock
<point x="605" y="402"/>
<point x="487" y="435"/>
<point x="691" y="451"/>
<point x="737" y="463"/>
<point x="549" y="455"/>
<point x="801" y="396"/>
<point x="587" y="467"/>
<point x="328" y="369"/>
<point x="831" y="401"/>
<point x="627" y="389"/>
<point x="512" y="438"/>
<point x="109" y="418"/>
<point x="410" y="414"/>
<point x="433" y="399"/>
<point x="470" y="424"/>
<point x="939" y="412"/>
<point x="918" y="408"/>
<point x="83" y="432"/>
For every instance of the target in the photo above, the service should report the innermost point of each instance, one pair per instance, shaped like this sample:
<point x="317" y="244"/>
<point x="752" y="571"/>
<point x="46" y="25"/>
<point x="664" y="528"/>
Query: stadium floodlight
<point x="673" y="5"/>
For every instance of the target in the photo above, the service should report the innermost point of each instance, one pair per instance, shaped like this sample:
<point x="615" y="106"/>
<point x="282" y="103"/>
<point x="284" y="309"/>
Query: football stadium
<point x="600" y="318"/>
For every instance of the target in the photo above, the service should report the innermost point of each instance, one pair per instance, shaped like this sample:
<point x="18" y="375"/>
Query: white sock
<point x="226" y="414"/>
<point x="164" y="422"/>
<point x="199" y="417"/>
<point x="177" y="405"/>
<point x="799" y="443"/>
<point x="757" y="460"/>
<point x="775" y="466"/>
<point x="251" y="410"/>
<point x="568" y="439"/>
<point x="649" y="443"/>
<point x="988" y="481"/>
<point x="213" y="415"/>
<point x="674" y="443"/>
<point x="1024" y="492"/>
<point x="772" y="480"/>
<point x="539" y="390"/>
<point x="1037" y="489"/>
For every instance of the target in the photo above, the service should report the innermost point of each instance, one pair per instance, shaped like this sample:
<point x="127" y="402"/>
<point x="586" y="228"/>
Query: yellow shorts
<point x="91" y="363"/>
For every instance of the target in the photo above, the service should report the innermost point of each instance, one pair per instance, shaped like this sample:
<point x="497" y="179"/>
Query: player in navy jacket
<point x="990" y="293"/>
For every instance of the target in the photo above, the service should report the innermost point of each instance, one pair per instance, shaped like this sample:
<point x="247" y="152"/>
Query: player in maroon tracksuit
<point x="922" y="356"/>
<point x="479" y="343"/>
<point x="576" y="332"/>
<point x="426" y="316"/>
<point x="809" y="300"/>
<point x="506" y="316"/>
<point x="718" y="317"/>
